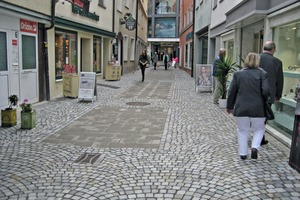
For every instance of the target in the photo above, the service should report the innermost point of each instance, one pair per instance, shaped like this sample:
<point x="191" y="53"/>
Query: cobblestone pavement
<point x="157" y="139"/>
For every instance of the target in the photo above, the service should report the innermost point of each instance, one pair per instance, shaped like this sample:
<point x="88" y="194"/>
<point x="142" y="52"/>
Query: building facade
<point x="163" y="27"/>
<point x="243" y="26"/>
<point x="40" y="42"/>
<point x="186" y="34"/>
<point x="22" y="62"/>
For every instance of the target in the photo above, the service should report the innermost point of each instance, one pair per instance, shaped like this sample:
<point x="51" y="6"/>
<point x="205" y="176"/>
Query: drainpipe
<point x="47" y="79"/>
<point x="136" y="33"/>
<point x="113" y="16"/>
<point x="192" y="72"/>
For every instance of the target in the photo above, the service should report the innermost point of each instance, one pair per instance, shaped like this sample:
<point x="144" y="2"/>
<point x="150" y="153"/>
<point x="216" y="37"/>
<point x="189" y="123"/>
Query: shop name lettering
<point x="28" y="27"/>
<point x="81" y="12"/>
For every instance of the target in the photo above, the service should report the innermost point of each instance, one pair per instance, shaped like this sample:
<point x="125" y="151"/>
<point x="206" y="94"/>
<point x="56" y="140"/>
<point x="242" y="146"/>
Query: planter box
<point x="9" y="118"/>
<point x="28" y="120"/>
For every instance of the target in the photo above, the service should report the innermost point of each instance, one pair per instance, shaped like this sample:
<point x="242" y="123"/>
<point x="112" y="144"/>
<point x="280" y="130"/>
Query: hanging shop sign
<point x="130" y="23"/>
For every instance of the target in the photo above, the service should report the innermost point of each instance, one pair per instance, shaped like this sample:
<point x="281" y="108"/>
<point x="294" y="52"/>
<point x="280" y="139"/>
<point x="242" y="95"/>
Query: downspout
<point x="53" y="3"/>
<point x="193" y="36"/>
<point x="113" y="16"/>
<point x="136" y="33"/>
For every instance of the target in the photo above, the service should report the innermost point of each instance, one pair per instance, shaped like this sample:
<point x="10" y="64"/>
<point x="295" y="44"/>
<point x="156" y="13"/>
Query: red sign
<point x="78" y="3"/>
<point x="28" y="26"/>
<point x="14" y="42"/>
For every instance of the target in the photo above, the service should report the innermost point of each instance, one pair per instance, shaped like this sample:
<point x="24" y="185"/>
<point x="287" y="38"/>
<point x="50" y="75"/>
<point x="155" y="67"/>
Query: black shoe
<point x="254" y="153"/>
<point x="263" y="142"/>
<point x="243" y="157"/>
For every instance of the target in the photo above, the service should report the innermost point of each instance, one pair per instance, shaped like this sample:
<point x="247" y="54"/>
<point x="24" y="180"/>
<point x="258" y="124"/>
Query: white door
<point x="29" y="68"/>
<point x="4" y="80"/>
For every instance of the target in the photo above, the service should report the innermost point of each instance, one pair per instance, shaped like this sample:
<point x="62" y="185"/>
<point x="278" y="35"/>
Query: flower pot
<point x="222" y="103"/>
<point x="28" y="120"/>
<point x="9" y="117"/>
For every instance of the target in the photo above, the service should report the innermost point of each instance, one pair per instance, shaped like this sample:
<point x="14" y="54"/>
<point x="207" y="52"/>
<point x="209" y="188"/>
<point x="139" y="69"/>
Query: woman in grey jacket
<point x="248" y="89"/>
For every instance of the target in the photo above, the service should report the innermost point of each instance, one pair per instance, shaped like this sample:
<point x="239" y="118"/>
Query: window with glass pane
<point x="97" y="55"/>
<point x="28" y="52"/>
<point x="101" y="3"/>
<point x="149" y="28"/>
<point x="165" y="7"/>
<point x="165" y="27"/>
<point x="65" y="52"/>
<point x="150" y="8"/>
<point x="3" y="52"/>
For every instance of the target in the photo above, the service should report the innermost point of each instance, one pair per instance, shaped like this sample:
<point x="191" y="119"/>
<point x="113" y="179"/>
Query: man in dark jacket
<point x="273" y="66"/>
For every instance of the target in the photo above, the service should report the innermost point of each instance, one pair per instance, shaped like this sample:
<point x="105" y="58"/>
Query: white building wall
<point x="218" y="14"/>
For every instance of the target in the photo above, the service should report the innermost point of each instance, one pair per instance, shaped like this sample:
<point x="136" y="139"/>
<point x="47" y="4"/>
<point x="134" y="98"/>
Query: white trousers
<point x="244" y="126"/>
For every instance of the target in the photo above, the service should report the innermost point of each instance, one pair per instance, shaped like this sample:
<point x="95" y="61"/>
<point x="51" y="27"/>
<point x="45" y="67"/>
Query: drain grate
<point x="87" y="158"/>
<point x="109" y="86"/>
<point x="138" y="103"/>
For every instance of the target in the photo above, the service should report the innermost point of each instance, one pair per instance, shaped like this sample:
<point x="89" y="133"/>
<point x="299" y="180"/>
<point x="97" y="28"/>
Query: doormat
<point x="109" y="86"/>
<point x="138" y="103"/>
<point x="87" y="158"/>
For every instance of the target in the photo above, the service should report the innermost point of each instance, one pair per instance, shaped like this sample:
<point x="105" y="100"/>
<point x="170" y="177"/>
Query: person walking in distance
<point x="155" y="60"/>
<point x="218" y="86"/>
<point x="248" y="89"/>
<point x="273" y="66"/>
<point x="166" y="60"/>
<point x="143" y="61"/>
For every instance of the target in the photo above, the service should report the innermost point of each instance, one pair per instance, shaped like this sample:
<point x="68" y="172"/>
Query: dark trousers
<point x="154" y="64"/>
<point x="143" y="72"/>
<point x="166" y="65"/>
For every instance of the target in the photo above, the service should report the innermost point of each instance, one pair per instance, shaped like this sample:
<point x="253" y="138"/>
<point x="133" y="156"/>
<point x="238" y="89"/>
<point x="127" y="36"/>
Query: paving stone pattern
<point x="180" y="146"/>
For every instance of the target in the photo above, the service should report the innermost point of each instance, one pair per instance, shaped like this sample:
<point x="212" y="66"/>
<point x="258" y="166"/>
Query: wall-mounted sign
<point x="82" y="12"/>
<point x="130" y="23"/>
<point x="28" y="26"/>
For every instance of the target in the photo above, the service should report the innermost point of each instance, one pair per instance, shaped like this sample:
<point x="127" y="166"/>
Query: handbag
<point x="268" y="111"/>
<point x="267" y="107"/>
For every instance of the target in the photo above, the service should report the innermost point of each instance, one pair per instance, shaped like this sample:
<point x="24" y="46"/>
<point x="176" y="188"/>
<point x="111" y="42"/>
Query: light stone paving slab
<point x="193" y="154"/>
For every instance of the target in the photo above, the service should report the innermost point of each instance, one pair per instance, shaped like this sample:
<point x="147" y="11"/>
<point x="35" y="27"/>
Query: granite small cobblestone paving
<point x="170" y="143"/>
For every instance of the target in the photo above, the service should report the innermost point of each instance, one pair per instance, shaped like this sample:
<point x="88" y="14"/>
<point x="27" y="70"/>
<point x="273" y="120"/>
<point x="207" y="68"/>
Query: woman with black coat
<point x="143" y="61"/>
<point x="248" y="89"/>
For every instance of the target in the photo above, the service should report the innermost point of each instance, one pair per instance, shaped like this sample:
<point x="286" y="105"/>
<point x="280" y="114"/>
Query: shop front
<point x="285" y="27"/>
<point x="19" y="71"/>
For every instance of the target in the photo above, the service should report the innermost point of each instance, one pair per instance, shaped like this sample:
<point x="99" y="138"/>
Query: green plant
<point x="225" y="67"/>
<point x="13" y="101"/>
<point x="26" y="107"/>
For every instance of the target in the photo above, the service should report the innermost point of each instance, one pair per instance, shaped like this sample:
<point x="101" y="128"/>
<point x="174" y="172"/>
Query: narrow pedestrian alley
<point x="157" y="139"/>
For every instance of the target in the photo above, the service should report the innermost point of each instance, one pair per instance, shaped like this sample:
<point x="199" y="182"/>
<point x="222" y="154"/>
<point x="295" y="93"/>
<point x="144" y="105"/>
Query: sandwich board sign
<point x="87" y="86"/>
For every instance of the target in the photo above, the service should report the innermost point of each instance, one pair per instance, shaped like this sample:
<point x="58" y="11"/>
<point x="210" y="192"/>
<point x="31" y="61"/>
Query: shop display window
<point x="287" y="40"/>
<point x="65" y="52"/>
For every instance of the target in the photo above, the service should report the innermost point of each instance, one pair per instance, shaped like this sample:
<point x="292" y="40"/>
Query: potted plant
<point x="225" y="67"/>
<point x="28" y="115"/>
<point x="9" y="115"/>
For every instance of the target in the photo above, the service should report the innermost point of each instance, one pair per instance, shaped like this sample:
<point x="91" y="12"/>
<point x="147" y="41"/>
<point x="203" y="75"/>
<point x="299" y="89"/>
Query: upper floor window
<point x="119" y="5"/>
<point x="101" y="3"/>
<point x="215" y="2"/>
<point x="165" y="7"/>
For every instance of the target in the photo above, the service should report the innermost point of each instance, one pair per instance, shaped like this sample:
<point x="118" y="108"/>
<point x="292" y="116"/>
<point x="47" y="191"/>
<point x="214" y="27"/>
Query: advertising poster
<point x="204" y="78"/>
<point x="87" y="86"/>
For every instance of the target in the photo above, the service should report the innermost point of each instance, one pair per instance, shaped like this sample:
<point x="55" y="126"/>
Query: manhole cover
<point x="138" y="103"/>
<point x="87" y="158"/>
